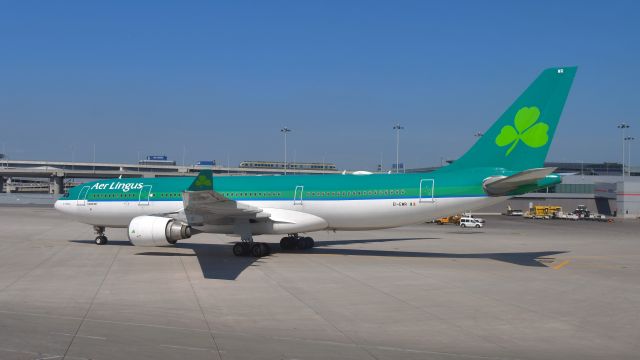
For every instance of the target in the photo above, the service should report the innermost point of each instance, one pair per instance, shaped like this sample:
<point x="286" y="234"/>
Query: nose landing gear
<point x="101" y="239"/>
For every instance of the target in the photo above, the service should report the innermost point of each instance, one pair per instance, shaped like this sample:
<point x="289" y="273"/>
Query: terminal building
<point x="598" y="186"/>
<point x="54" y="176"/>
<point x="607" y="195"/>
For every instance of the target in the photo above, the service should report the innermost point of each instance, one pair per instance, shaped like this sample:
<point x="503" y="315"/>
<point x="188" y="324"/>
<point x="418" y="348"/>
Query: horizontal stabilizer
<point x="503" y="185"/>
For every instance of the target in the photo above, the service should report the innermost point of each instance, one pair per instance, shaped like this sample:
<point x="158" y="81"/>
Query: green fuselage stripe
<point x="283" y="188"/>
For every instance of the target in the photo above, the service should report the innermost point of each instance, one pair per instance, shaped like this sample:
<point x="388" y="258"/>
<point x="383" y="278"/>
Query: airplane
<point x="506" y="161"/>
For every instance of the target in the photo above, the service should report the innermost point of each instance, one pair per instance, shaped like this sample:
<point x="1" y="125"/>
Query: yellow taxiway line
<point x="561" y="265"/>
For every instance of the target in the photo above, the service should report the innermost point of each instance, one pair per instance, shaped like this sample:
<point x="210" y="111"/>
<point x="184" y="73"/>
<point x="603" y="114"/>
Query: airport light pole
<point x="397" y="128"/>
<point x="629" y="139"/>
<point x="623" y="126"/>
<point x="285" y="130"/>
<point x="73" y="155"/>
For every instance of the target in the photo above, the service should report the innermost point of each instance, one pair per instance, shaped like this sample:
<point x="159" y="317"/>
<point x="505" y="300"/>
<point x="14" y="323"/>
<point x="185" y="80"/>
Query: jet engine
<point x="156" y="231"/>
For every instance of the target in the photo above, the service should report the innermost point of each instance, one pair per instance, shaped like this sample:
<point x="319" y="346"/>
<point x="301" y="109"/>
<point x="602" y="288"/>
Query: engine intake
<point x="156" y="231"/>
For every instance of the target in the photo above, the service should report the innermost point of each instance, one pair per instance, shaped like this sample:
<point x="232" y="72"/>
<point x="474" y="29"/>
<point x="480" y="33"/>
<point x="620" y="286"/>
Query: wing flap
<point x="211" y="202"/>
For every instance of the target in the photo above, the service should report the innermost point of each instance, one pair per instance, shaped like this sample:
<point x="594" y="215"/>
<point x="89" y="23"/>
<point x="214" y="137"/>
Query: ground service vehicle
<point x="454" y="219"/>
<point x="545" y="210"/>
<point x="470" y="222"/>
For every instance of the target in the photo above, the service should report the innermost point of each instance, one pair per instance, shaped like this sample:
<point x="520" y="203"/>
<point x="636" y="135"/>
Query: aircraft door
<point x="145" y="193"/>
<point x="297" y="195"/>
<point x="82" y="196"/>
<point x="427" y="189"/>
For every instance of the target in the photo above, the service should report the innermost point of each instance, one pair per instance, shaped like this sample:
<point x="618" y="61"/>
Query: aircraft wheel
<point x="285" y="243"/>
<point x="257" y="250"/>
<point x="266" y="249"/>
<point x="292" y="243"/>
<point x="239" y="249"/>
<point x="301" y="243"/>
<point x="309" y="243"/>
<point x="101" y="240"/>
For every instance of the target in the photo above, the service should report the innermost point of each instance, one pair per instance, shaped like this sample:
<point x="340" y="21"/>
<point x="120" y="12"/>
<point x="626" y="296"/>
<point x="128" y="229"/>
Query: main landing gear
<point x="293" y="241"/>
<point x="101" y="239"/>
<point x="259" y="249"/>
<point x="248" y="247"/>
<point x="255" y="249"/>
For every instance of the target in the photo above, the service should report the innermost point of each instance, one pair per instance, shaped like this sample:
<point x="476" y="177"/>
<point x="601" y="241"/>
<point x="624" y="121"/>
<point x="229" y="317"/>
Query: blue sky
<point x="221" y="78"/>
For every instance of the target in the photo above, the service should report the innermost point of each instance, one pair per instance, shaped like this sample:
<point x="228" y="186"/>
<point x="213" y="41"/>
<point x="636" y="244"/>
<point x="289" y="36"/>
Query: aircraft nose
<point x="58" y="205"/>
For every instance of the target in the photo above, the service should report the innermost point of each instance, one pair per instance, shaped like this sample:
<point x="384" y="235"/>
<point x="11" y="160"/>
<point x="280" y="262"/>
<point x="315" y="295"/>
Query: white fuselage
<point x="336" y="214"/>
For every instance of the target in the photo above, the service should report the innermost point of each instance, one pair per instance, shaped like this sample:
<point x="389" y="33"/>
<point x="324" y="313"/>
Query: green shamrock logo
<point x="532" y="134"/>
<point x="203" y="181"/>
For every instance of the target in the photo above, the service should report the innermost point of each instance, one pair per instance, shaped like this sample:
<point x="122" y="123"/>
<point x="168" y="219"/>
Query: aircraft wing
<point x="502" y="185"/>
<point x="212" y="202"/>
<point x="203" y="205"/>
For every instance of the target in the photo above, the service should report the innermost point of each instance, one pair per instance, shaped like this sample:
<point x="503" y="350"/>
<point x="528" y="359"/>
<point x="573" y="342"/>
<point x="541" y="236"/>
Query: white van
<point x="470" y="222"/>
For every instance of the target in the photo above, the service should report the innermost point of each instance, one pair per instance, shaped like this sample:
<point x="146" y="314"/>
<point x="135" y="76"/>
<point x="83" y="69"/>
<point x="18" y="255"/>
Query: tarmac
<point x="516" y="289"/>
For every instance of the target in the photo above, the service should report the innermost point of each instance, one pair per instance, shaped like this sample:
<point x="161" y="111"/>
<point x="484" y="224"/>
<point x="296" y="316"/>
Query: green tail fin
<point x="202" y="182"/>
<point x="521" y="137"/>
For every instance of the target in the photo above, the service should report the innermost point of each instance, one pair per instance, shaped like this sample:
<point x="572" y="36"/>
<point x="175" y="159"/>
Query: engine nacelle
<point x="156" y="231"/>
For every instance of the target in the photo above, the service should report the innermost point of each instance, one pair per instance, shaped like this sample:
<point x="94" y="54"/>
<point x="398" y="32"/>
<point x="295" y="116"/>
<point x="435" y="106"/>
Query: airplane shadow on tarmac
<point x="217" y="261"/>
